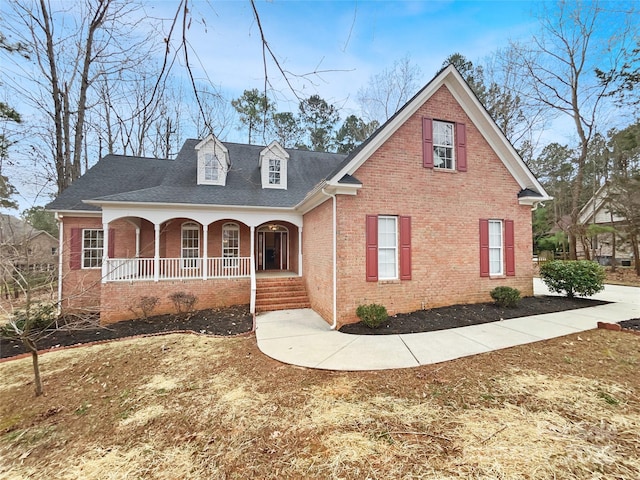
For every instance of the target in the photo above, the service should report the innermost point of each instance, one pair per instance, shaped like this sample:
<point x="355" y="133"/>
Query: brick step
<point x="280" y="294"/>
<point x="262" y="295"/>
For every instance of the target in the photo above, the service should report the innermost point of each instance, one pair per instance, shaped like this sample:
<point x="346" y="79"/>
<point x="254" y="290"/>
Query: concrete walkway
<point x="302" y="337"/>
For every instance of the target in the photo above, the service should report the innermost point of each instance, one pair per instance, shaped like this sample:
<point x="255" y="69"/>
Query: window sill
<point x="389" y="281"/>
<point x="447" y="170"/>
<point x="497" y="277"/>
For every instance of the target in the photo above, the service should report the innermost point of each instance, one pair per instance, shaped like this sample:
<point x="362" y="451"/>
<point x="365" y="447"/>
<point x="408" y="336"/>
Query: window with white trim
<point x="92" y="248"/>
<point x="274" y="171"/>
<point x="190" y="251"/>
<point x="443" y="145"/>
<point x="230" y="243"/>
<point x="387" y="247"/>
<point x="211" y="167"/>
<point x="496" y="255"/>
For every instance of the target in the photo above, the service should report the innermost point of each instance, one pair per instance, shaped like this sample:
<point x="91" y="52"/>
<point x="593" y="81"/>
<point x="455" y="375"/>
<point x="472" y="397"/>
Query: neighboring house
<point x="597" y="212"/>
<point x="24" y="247"/>
<point x="433" y="209"/>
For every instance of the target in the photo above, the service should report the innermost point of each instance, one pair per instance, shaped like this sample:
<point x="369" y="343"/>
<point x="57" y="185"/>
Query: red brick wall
<point x="119" y="297"/>
<point x="317" y="258"/>
<point x="445" y="208"/>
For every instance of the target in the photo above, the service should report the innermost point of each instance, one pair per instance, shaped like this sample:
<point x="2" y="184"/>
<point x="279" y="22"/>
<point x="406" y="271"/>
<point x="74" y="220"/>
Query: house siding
<point x="317" y="259"/>
<point x="445" y="208"/>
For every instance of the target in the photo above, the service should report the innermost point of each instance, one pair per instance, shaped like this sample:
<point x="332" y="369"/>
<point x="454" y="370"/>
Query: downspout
<point x="60" y="244"/>
<point x="335" y="291"/>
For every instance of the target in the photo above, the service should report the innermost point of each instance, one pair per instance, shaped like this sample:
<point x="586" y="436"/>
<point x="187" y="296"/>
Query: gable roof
<point x="120" y="179"/>
<point x="16" y="231"/>
<point x="531" y="189"/>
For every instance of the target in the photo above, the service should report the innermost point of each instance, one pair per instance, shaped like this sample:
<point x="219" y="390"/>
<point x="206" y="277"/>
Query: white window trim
<point x="275" y="170"/>
<point x="230" y="227"/>
<point x="499" y="248"/>
<point x="101" y="249"/>
<point x="273" y="151"/>
<point x="452" y="146"/>
<point x="211" y="145"/>
<point x="188" y="263"/>
<point x="394" y="248"/>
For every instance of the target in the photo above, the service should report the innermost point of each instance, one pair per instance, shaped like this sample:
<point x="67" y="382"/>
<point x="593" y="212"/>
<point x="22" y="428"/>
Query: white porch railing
<point x="137" y="269"/>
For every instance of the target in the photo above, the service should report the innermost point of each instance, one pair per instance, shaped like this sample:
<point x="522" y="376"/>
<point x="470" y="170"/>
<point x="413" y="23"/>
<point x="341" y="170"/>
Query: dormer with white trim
<point x="213" y="161"/>
<point x="273" y="166"/>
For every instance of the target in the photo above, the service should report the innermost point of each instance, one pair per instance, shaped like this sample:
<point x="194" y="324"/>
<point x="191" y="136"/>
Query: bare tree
<point x="558" y="71"/>
<point x="389" y="90"/>
<point x="68" y="63"/>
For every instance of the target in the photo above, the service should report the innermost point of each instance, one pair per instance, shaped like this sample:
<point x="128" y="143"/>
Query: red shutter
<point x="405" y="248"/>
<point x="484" y="248"/>
<point x="509" y="248"/>
<point x="112" y="243"/>
<point x="372" y="248"/>
<point x="75" y="244"/>
<point x="427" y="142"/>
<point x="461" y="147"/>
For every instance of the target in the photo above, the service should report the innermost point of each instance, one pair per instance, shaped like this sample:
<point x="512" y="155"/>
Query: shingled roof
<point x="144" y="180"/>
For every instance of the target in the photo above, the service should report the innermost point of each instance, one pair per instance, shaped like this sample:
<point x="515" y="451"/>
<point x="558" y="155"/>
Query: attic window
<point x="211" y="167"/>
<point x="273" y="166"/>
<point x="274" y="171"/>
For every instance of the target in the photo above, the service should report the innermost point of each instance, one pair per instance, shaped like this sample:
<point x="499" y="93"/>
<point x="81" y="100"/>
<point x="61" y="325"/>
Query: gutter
<point x="335" y="291"/>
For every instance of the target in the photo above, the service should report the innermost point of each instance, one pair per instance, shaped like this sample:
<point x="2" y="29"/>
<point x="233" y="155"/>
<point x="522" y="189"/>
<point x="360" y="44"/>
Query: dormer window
<point x="213" y="162"/>
<point x="274" y="171"/>
<point x="273" y="166"/>
<point x="211" y="167"/>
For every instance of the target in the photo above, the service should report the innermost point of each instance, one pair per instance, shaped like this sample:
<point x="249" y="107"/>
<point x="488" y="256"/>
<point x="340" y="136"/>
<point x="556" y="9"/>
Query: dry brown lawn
<point x="187" y="406"/>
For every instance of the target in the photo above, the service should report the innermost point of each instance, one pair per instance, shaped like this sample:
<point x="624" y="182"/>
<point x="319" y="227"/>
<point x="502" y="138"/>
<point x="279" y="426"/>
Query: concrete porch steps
<point x="280" y="293"/>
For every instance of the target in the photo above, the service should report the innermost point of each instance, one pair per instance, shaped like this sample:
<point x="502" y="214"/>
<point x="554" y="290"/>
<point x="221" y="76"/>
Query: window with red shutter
<point x="484" y="248"/>
<point x="461" y="147"/>
<point x="509" y="247"/>
<point x="75" y="249"/>
<point x="405" y="248"/>
<point x="372" y="248"/>
<point x="427" y="142"/>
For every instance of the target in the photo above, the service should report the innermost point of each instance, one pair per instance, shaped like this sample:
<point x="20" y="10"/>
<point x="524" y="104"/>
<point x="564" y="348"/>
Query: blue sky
<point x="350" y="40"/>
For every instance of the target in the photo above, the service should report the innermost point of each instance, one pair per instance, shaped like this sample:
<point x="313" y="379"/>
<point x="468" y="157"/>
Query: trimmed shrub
<point x="573" y="277"/>
<point x="372" y="315"/>
<point x="505" y="296"/>
<point x="184" y="302"/>
<point x="146" y="305"/>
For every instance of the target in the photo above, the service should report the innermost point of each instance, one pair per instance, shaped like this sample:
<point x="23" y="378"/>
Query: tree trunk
<point x="613" y="242"/>
<point x="636" y="253"/>
<point x="31" y="347"/>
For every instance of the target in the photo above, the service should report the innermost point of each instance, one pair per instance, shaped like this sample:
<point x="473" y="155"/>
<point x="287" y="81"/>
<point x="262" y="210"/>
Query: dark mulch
<point x="224" y="321"/>
<point x="444" y="318"/>
<point x="633" y="324"/>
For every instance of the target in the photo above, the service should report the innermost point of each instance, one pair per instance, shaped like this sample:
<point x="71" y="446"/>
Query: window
<point x="495" y="247"/>
<point x="230" y="244"/>
<point x="190" y="252"/>
<point x="387" y="248"/>
<point x="211" y="167"/>
<point x="443" y="145"/>
<point x="274" y="171"/>
<point x="92" y="248"/>
<point x="54" y="250"/>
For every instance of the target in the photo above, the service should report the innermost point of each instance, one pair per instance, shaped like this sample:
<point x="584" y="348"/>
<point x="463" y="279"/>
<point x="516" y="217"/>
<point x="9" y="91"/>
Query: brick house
<point x="433" y="209"/>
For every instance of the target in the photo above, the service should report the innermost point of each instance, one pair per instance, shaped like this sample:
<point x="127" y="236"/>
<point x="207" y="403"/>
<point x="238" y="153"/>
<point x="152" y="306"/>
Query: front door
<point x="273" y="248"/>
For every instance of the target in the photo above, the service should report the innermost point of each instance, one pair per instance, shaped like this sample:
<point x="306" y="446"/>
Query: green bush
<point x="39" y="317"/>
<point x="505" y="296"/>
<point x="372" y="315"/>
<point x="573" y="277"/>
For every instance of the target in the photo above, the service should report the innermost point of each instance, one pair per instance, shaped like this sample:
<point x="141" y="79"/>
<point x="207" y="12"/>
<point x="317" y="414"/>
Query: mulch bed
<point x="224" y="321"/>
<point x="444" y="318"/>
<point x="237" y="320"/>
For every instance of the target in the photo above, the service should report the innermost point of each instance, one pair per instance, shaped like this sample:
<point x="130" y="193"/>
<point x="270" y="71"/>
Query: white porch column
<point x="253" y="243"/>
<point x="105" y="251"/>
<point x="205" y="251"/>
<point x="156" y="253"/>
<point x="300" y="251"/>
<point x="137" y="242"/>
